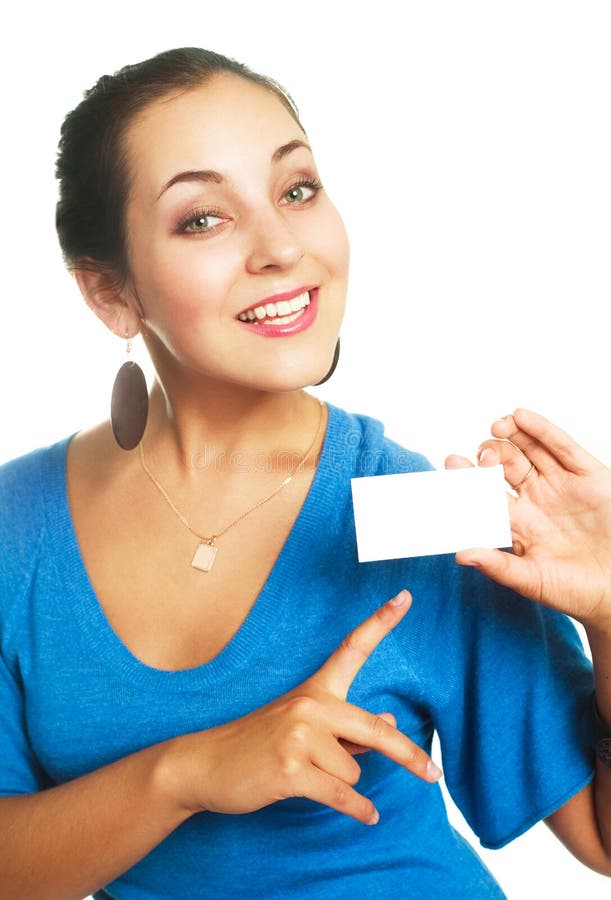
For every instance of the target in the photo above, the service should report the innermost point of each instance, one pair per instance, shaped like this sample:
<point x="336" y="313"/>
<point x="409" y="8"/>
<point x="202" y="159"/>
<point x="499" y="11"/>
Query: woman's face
<point x="223" y="215"/>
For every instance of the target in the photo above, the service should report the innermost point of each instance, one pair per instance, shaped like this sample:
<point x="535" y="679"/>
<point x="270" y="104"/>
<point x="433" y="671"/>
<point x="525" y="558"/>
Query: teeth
<point x="284" y="320"/>
<point x="275" y="310"/>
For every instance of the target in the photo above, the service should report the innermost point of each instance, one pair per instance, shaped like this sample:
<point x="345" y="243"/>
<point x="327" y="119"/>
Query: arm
<point x="69" y="841"/>
<point x="584" y="823"/>
<point x="561" y="527"/>
<point x="90" y="830"/>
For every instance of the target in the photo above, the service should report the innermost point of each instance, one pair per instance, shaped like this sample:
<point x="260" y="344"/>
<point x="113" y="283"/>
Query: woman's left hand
<point x="560" y="519"/>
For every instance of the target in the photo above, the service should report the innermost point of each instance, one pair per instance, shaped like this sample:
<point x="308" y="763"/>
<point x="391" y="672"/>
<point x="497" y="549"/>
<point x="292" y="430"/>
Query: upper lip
<point x="276" y="298"/>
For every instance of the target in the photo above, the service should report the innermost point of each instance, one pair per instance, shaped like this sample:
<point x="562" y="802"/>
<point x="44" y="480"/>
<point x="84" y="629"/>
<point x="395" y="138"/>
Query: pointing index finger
<point x="343" y="665"/>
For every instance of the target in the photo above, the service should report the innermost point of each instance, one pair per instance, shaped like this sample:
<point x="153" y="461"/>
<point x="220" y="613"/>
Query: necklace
<point x="206" y="550"/>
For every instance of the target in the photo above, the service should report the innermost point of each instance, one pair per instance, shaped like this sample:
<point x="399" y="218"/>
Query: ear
<point x="114" y="305"/>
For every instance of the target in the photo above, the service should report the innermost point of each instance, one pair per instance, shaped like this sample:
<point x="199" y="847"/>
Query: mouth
<point x="285" y="309"/>
<point x="288" y="314"/>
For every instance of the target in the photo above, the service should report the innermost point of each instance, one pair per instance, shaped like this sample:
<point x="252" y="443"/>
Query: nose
<point x="273" y="244"/>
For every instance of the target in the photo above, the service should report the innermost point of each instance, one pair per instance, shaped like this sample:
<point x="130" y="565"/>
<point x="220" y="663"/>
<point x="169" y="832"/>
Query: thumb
<point x="455" y="461"/>
<point x="505" y="568"/>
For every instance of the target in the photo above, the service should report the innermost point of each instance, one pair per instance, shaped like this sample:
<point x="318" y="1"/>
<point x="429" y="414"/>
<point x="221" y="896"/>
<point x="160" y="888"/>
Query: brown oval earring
<point x="129" y="404"/>
<point x="333" y="366"/>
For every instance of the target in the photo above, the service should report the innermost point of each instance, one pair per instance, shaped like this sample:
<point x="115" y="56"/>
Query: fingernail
<point x="400" y="599"/>
<point x="375" y="818"/>
<point x="432" y="771"/>
<point x="488" y="456"/>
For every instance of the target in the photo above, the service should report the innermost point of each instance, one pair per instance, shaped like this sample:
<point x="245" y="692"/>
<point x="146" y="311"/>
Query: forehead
<point x="223" y="125"/>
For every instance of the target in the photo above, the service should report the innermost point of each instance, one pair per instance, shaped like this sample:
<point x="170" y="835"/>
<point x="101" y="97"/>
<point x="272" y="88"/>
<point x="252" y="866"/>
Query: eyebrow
<point x="210" y="176"/>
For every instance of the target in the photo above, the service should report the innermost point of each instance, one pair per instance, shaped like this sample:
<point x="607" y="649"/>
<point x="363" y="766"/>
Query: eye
<point x="303" y="191"/>
<point x="202" y="223"/>
<point x="199" y="221"/>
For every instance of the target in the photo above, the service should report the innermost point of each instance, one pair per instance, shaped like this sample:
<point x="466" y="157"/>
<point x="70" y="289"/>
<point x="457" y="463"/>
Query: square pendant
<point x="204" y="557"/>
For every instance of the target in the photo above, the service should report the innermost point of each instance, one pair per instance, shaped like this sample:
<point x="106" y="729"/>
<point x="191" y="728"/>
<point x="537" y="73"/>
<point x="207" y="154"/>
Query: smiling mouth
<point x="280" y="313"/>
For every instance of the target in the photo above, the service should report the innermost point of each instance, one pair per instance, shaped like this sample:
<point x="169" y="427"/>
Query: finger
<point x="388" y="717"/>
<point x="335" y="793"/>
<point x="505" y="568"/>
<point x="516" y="466"/>
<point x="367" y="730"/>
<point x="535" y="434"/>
<point x="330" y="756"/>
<point x="340" y="670"/>
<point x="355" y="749"/>
<point x="454" y="461"/>
<point x="530" y="447"/>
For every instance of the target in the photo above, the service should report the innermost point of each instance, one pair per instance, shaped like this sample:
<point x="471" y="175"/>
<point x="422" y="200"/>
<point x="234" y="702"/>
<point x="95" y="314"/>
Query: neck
<point x="229" y="428"/>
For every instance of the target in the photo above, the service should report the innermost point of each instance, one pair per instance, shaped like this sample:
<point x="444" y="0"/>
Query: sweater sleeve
<point x="20" y="772"/>
<point x="21" y="526"/>
<point x="513" y="713"/>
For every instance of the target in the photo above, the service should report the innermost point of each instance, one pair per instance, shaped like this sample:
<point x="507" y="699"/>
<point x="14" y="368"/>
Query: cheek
<point x="183" y="281"/>
<point x="329" y="243"/>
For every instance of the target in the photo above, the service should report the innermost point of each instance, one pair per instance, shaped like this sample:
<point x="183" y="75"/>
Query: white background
<point x="467" y="145"/>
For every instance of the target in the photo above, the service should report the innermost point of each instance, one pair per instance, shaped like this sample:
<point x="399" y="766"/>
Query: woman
<point x="178" y="583"/>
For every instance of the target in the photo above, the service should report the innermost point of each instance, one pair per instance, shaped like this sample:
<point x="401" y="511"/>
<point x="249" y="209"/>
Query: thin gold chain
<point x="211" y="538"/>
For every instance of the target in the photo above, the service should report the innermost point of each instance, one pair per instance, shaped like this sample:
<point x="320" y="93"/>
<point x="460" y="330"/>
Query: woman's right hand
<point x="302" y="744"/>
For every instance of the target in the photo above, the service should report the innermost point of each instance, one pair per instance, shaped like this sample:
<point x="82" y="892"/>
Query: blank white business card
<point x="424" y="513"/>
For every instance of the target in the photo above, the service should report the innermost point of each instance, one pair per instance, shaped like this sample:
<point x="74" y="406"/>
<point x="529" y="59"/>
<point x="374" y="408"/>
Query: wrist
<point x="602" y="735"/>
<point x="173" y="784"/>
<point x="598" y="626"/>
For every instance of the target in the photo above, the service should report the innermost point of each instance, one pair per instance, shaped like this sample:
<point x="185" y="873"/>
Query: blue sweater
<point x="503" y="681"/>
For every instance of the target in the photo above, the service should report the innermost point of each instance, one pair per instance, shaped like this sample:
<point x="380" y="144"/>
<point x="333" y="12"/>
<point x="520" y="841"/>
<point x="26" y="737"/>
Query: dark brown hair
<point x="92" y="169"/>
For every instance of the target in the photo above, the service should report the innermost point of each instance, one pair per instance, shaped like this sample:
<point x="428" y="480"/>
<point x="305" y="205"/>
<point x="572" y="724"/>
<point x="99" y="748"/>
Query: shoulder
<point x="21" y="478"/>
<point x="20" y="491"/>
<point x="28" y="485"/>
<point x="366" y="448"/>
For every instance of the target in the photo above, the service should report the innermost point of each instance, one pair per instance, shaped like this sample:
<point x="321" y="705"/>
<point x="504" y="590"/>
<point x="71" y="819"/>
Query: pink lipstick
<point x="300" y="320"/>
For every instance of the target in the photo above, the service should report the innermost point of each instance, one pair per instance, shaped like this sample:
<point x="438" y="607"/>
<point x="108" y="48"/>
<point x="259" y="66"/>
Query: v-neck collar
<point x="79" y="598"/>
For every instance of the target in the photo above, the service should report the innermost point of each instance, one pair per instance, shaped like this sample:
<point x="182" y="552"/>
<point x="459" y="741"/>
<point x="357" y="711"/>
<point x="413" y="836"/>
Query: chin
<point x="290" y="382"/>
<point x="320" y="370"/>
